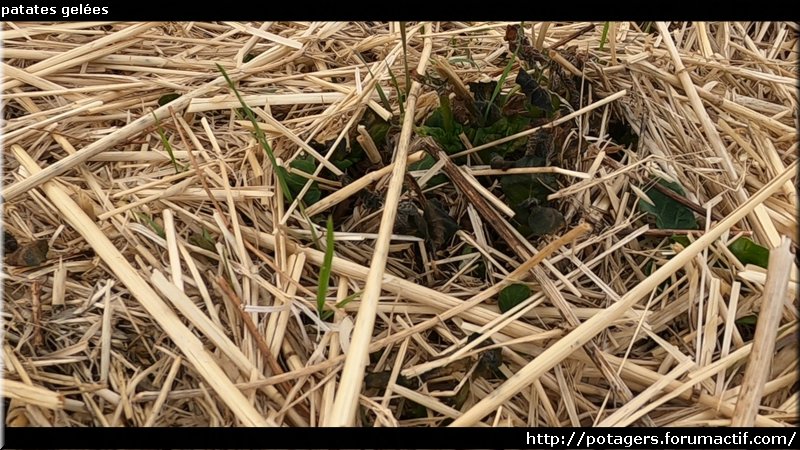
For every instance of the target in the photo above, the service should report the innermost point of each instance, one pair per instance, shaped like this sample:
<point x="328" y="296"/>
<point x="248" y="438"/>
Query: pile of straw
<point x="128" y="320"/>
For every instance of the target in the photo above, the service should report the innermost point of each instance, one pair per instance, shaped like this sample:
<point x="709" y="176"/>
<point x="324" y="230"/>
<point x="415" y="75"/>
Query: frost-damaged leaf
<point x="520" y="44"/>
<point x="9" y="242"/>
<point x="29" y="255"/>
<point x="669" y="214"/>
<point x="543" y="220"/>
<point x="748" y="252"/>
<point x="409" y="221"/>
<point x="540" y="98"/>
<point x="164" y="99"/>
<point x="512" y="296"/>
<point x="441" y="227"/>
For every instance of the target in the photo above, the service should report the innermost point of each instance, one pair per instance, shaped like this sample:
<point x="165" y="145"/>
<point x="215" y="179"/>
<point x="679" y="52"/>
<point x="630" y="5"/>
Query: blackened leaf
<point x="441" y="227"/>
<point x="512" y="296"/>
<point x="409" y="221"/>
<point x="164" y="99"/>
<point x="482" y="90"/>
<point x="622" y="133"/>
<point x="9" y="242"/>
<point x="413" y="410"/>
<point x="748" y="252"/>
<point x="29" y="255"/>
<point x="461" y="397"/>
<point x="491" y="359"/>
<point x="377" y="380"/>
<point x="538" y="96"/>
<point x="669" y="214"/>
<point x="544" y="220"/>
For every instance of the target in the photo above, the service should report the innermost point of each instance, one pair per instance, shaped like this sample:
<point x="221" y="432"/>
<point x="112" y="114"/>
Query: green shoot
<point x="166" y="144"/>
<point x="447" y="114"/>
<point x="152" y="224"/>
<point x="280" y="172"/>
<point x="499" y="86"/>
<point x="328" y="314"/>
<point x="405" y="54"/>
<point x="604" y="36"/>
<point x="381" y="94"/>
<point x="325" y="270"/>
<point x="400" y="94"/>
<point x="262" y="139"/>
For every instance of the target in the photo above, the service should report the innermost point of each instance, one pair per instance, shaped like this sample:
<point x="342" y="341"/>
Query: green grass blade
<point x="262" y="139"/>
<point x="405" y="54"/>
<point x="381" y="94"/>
<point x="152" y="224"/>
<point x="166" y="144"/>
<point x="280" y="172"/>
<point x="400" y="94"/>
<point x="499" y="86"/>
<point x="325" y="270"/>
<point x="604" y="36"/>
<point x="328" y="314"/>
<point x="314" y="236"/>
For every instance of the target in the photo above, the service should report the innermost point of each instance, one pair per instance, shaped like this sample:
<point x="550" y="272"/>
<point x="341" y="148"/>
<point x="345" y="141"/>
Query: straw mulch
<point x="184" y="293"/>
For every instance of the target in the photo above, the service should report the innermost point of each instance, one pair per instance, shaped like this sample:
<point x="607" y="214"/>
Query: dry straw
<point x="180" y="289"/>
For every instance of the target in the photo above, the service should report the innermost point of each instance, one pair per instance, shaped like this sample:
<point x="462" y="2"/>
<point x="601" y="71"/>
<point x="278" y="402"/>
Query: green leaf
<point x="167" y="98"/>
<point x="152" y="224"/>
<point x="523" y="189"/>
<point x="437" y="126"/>
<point x="683" y="240"/>
<point x="503" y="127"/>
<point x="499" y="86"/>
<point x="204" y="240"/>
<point x="165" y="142"/>
<point x="604" y="35"/>
<point x="747" y="320"/>
<point x="296" y="181"/>
<point x="669" y="214"/>
<point x="325" y="270"/>
<point x="512" y="296"/>
<point x="748" y="252"/>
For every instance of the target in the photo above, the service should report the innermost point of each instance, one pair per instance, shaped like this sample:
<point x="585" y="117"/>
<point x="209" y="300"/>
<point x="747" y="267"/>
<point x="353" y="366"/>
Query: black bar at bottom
<point x="421" y="438"/>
